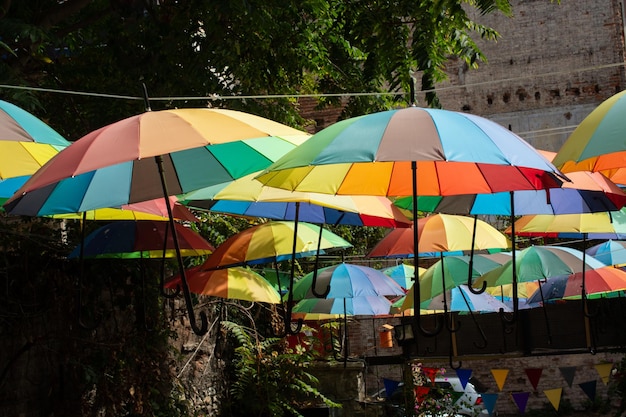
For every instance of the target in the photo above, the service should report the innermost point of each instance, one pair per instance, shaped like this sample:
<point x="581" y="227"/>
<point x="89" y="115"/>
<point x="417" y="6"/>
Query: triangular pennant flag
<point x="534" y="374"/>
<point x="589" y="388"/>
<point x="521" y="398"/>
<point x="464" y="376"/>
<point x="554" y="395"/>
<point x="421" y="392"/>
<point x="568" y="373"/>
<point x="455" y="396"/>
<point x="489" y="400"/>
<point x="431" y="373"/>
<point x="500" y="376"/>
<point x="604" y="370"/>
<point x="390" y="386"/>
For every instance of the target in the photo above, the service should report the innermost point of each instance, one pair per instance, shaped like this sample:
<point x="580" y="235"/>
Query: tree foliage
<point x="197" y="49"/>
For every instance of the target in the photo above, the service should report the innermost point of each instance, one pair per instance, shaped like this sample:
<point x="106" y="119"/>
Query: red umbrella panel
<point x="141" y="239"/>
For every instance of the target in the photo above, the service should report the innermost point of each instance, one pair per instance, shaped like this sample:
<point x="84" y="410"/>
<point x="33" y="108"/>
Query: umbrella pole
<point x="449" y="318"/>
<point x="345" y="334"/>
<point x="314" y="280"/>
<point x="586" y="313"/>
<point x="176" y="292"/>
<point x="514" y="267"/>
<point x="292" y="273"/>
<point x="545" y="313"/>
<point x="471" y="263"/>
<point x="181" y="267"/>
<point x="417" y="296"/>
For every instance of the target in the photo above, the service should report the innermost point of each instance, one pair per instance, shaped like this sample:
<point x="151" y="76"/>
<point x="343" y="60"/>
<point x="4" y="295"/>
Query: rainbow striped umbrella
<point x="597" y="144"/>
<point x="272" y="242"/>
<point x="122" y="163"/>
<point x="26" y="144"/>
<point x="233" y="283"/>
<point x="454" y="153"/>
<point x="248" y="197"/>
<point x="439" y="233"/>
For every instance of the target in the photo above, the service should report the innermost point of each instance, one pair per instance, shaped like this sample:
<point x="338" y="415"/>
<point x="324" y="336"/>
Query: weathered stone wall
<point x="551" y="66"/>
<point x="364" y="342"/>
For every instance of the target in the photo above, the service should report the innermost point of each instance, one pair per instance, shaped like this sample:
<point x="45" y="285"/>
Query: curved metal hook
<point x="511" y="318"/>
<point x="455" y="367"/>
<point x="451" y="325"/>
<point x="440" y="322"/>
<point x="471" y="264"/>
<point x="474" y="290"/>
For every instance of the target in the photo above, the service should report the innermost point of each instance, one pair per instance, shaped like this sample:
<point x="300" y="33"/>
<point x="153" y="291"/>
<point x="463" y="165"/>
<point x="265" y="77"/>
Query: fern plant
<point x="269" y="378"/>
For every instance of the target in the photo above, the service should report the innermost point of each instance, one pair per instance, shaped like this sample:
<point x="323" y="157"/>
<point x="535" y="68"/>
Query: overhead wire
<point x="217" y="97"/>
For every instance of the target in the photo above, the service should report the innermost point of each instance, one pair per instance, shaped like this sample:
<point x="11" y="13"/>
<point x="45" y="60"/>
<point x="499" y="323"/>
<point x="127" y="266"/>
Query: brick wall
<point x="552" y="65"/>
<point x="364" y="341"/>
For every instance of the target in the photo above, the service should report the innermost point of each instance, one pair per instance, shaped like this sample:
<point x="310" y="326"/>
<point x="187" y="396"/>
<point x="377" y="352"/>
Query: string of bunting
<point x="520" y="398"/>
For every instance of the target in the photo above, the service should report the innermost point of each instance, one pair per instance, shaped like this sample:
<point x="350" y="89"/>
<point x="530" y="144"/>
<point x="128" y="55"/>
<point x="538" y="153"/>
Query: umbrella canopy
<point x="597" y="281"/>
<point x="366" y="305"/>
<point x="272" y="242"/>
<point x="248" y="197"/>
<point x="440" y="233"/>
<point x="454" y="153"/>
<point x="347" y="281"/>
<point x="140" y="239"/>
<point x="114" y="165"/>
<point x="611" y="252"/>
<point x="26" y="143"/>
<point x="234" y="283"/>
<point x="461" y="299"/>
<point x="597" y="143"/>
<point x="607" y="225"/>
<point x="538" y="263"/>
<point x="403" y="274"/>
<point x="455" y="270"/>
<point x="146" y="210"/>
<point x="587" y="192"/>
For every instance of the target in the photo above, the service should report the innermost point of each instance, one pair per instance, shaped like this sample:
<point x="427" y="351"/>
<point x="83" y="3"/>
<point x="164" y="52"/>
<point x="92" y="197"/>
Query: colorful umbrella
<point x="137" y="159"/>
<point x="607" y="225"/>
<point x="452" y="271"/>
<point x="113" y="165"/>
<point x="366" y="305"/>
<point x="141" y="239"/>
<point x="403" y="274"/>
<point x="411" y="152"/>
<point x="272" y="242"/>
<point x="611" y="252"/>
<point x="461" y="299"/>
<point x="235" y="283"/>
<point x="26" y="143"/>
<point x="146" y="210"/>
<point x="597" y="143"/>
<point x="597" y="281"/>
<point x="248" y="197"/>
<point x="454" y="153"/>
<point x="347" y="281"/>
<point x="440" y="233"/>
<point x="587" y="192"/>
<point x="537" y="263"/>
